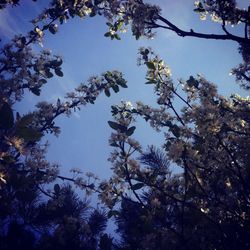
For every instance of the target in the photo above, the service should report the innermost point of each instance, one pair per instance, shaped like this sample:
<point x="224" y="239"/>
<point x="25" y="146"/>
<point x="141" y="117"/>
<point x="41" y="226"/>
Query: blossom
<point x="76" y="170"/>
<point x="155" y="202"/>
<point x="2" y="178"/>
<point x="204" y="210"/>
<point x="133" y="165"/>
<point x="175" y="150"/>
<point x="128" y="105"/>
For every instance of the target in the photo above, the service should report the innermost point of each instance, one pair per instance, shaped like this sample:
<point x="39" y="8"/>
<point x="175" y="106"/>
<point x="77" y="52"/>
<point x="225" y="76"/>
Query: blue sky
<point x="83" y="142"/>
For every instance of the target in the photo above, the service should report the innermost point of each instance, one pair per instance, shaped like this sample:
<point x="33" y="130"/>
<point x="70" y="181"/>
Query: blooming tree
<point x="203" y="205"/>
<point x="208" y="138"/>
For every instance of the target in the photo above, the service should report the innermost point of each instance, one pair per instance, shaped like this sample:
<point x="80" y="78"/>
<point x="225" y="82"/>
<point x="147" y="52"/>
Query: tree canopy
<point x="203" y="205"/>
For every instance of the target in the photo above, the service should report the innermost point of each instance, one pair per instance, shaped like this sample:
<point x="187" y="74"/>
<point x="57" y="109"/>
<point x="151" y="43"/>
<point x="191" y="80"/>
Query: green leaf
<point x="122" y="83"/>
<point x="48" y="74"/>
<point x="25" y="120"/>
<point x="42" y="81"/>
<point x="57" y="62"/>
<point x="113" y="125"/>
<point x="192" y="82"/>
<point x="108" y="77"/>
<point x="137" y="186"/>
<point x="57" y="188"/>
<point x="130" y="131"/>
<point x="36" y="91"/>
<point x="53" y="28"/>
<point x="107" y="34"/>
<point x="137" y="35"/>
<point x="93" y="13"/>
<point x="169" y="123"/>
<point x="116" y="126"/>
<point x="59" y="72"/>
<point x="6" y="116"/>
<point x="109" y="24"/>
<point x="38" y="70"/>
<point x="117" y="37"/>
<point x="23" y="40"/>
<point x="150" y="65"/>
<point x="200" y="8"/>
<point x="150" y="82"/>
<point x="119" y="24"/>
<point x="200" y="5"/>
<point x="28" y="134"/>
<point x="113" y="213"/>
<point x="107" y="92"/>
<point x="115" y="88"/>
<point x="175" y="130"/>
<point x="114" y="144"/>
<point x="114" y="110"/>
<point x="167" y="145"/>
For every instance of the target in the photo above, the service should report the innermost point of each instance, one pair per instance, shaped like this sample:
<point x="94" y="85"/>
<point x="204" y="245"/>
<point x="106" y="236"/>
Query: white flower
<point x="128" y="105"/>
<point x="203" y="17"/>
<point x="2" y="178"/>
<point x="196" y="3"/>
<point x="204" y="210"/>
<point x="175" y="150"/>
<point x="155" y="202"/>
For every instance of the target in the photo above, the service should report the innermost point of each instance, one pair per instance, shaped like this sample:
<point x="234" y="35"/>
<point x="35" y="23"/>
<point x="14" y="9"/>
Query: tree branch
<point x="192" y="33"/>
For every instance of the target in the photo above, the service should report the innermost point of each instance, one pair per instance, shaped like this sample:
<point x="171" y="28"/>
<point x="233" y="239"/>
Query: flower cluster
<point x="223" y="12"/>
